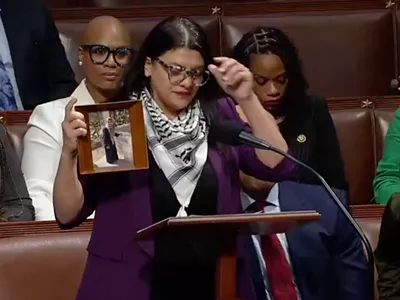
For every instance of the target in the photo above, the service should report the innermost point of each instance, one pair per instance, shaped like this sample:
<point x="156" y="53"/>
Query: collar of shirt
<point x="272" y="199"/>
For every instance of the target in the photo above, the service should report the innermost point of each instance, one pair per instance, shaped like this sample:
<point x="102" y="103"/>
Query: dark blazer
<point x="41" y="68"/>
<point x="327" y="256"/>
<point x="387" y="258"/>
<point x="311" y="137"/>
<point x="15" y="200"/>
<point x="118" y="266"/>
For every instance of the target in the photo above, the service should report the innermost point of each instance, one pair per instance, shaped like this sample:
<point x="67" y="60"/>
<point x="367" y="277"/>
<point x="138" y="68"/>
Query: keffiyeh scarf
<point x="179" y="146"/>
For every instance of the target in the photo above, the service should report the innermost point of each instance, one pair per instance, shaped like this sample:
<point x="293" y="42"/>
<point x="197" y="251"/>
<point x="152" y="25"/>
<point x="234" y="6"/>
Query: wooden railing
<point x="336" y="103"/>
<point x="14" y="229"/>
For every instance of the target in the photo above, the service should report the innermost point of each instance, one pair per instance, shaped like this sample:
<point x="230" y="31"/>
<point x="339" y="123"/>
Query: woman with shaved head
<point x="104" y="53"/>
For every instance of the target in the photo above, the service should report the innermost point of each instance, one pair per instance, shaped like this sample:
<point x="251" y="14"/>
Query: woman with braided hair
<point x="324" y="260"/>
<point x="15" y="203"/>
<point x="303" y="120"/>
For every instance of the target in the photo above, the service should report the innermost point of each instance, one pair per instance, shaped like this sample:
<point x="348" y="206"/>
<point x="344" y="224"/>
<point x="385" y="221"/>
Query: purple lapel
<point x="226" y="185"/>
<point x="141" y="208"/>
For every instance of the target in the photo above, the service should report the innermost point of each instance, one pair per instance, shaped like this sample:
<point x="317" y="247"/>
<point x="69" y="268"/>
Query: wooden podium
<point x="226" y="228"/>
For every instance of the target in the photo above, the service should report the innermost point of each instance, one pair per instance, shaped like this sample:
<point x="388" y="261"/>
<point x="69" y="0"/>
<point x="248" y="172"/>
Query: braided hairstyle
<point x="269" y="40"/>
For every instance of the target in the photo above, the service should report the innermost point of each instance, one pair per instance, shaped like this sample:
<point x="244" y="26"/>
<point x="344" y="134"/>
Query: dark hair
<point x="173" y="33"/>
<point x="269" y="40"/>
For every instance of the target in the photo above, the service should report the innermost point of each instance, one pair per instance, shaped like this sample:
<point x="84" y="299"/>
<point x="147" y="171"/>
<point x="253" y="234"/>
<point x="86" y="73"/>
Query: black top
<point x="387" y="259"/>
<point x="311" y="137"/>
<point x="183" y="269"/>
<point x="15" y="203"/>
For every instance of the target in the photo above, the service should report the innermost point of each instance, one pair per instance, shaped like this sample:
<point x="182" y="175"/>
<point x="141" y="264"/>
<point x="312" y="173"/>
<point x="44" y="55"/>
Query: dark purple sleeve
<point x="248" y="160"/>
<point x="91" y="185"/>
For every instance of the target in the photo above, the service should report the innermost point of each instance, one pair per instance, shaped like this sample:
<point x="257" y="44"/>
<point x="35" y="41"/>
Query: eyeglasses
<point x="100" y="53"/>
<point x="177" y="74"/>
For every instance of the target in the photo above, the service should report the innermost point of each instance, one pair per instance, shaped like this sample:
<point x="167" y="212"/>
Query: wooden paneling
<point x="13" y="229"/>
<point x="299" y="4"/>
<point x="376" y="102"/>
<point x="143" y="11"/>
<point x="367" y="211"/>
<point x="88" y="9"/>
<point x="257" y="8"/>
<point x="15" y="117"/>
<point x="57" y="4"/>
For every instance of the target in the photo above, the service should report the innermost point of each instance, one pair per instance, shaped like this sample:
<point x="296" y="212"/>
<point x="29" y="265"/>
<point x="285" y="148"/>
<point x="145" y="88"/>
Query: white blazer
<point x="42" y="150"/>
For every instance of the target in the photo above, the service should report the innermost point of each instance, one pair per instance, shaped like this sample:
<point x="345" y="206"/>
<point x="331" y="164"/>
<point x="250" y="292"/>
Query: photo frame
<point x="116" y="139"/>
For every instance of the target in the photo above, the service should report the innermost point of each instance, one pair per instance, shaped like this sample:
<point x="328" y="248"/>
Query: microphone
<point x="234" y="134"/>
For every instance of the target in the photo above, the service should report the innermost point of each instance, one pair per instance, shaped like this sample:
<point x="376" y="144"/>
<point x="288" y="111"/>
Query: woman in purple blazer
<point x="189" y="172"/>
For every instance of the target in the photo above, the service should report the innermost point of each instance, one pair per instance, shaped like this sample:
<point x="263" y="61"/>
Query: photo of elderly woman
<point x="111" y="138"/>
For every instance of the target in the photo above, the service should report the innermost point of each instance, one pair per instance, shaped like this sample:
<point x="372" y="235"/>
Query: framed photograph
<point x="116" y="139"/>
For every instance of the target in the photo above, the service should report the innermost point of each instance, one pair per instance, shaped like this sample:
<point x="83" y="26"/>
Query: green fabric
<point x="387" y="178"/>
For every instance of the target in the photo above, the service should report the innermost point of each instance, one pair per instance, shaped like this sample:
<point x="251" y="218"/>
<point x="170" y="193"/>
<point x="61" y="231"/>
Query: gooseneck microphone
<point x="234" y="134"/>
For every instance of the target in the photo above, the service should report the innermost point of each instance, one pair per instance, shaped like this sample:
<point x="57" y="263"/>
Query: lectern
<point x="226" y="228"/>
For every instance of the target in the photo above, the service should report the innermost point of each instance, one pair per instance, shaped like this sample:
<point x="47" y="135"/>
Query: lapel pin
<point x="301" y="138"/>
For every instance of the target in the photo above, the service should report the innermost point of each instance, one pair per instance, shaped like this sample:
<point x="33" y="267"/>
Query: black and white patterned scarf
<point x="179" y="146"/>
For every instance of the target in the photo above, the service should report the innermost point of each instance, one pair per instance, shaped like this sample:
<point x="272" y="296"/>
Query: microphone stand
<point x="258" y="143"/>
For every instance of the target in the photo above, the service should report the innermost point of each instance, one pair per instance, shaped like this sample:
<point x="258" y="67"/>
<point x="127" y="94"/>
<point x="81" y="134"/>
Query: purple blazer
<point x="118" y="267"/>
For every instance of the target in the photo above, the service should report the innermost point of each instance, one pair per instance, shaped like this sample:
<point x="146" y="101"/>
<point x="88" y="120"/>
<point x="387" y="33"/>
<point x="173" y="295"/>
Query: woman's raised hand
<point x="73" y="127"/>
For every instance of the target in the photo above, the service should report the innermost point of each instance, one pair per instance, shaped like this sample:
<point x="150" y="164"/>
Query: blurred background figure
<point x="15" y="203"/>
<point x="33" y="65"/>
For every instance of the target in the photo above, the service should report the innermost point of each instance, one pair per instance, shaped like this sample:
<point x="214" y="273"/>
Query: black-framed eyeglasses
<point x="177" y="74"/>
<point x="100" y="53"/>
<point x="261" y="80"/>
